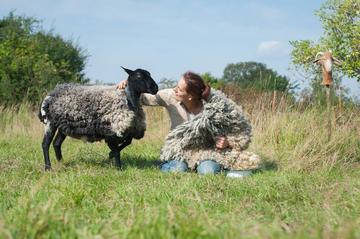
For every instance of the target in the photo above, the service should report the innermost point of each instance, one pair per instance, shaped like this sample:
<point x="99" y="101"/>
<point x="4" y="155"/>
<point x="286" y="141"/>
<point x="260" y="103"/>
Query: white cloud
<point x="272" y="48"/>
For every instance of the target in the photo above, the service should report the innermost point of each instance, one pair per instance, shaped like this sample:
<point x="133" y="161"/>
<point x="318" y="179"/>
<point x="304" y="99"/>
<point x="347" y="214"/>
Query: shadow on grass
<point x="128" y="161"/>
<point x="270" y="165"/>
<point x="142" y="162"/>
<point x="267" y="165"/>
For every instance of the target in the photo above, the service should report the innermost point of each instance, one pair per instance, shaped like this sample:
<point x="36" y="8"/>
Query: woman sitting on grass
<point x="208" y="131"/>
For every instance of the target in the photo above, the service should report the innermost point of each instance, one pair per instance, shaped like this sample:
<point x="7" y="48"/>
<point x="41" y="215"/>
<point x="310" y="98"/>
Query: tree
<point x="255" y="75"/>
<point x="213" y="81"/>
<point x="166" y="83"/>
<point x="33" y="61"/>
<point x="341" y="23"/>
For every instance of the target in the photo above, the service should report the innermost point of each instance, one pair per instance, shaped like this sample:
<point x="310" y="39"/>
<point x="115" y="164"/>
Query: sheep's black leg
<point x="115" y="153"/>
<point x="48" y="137"/>
<point x="59" y="139"/>
<point x="115" y="150"/>
<point x="125" y="143"/>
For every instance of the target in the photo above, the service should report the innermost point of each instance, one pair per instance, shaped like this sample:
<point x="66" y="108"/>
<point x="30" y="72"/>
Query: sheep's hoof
<point x="47" y="167"/>
<point x="118" y="165"/>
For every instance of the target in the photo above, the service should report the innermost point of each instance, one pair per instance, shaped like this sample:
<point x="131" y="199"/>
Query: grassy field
<point x="309" y="187"/>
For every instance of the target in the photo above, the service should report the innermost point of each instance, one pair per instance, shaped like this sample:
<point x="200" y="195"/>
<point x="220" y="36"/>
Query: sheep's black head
<point x="140" y="81"/>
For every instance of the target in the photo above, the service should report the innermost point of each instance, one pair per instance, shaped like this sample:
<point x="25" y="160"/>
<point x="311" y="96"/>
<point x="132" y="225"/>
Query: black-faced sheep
<point x="94" y="113"/>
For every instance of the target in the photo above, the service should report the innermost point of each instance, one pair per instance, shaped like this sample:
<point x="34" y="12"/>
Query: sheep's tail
<point x="43" y="110"/>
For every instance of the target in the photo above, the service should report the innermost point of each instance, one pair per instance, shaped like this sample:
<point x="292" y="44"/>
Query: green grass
<point x="309" y="187"/>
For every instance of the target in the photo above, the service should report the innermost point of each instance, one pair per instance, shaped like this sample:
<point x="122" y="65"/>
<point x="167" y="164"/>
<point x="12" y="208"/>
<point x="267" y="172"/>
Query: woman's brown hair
<point x="196" y="86"/>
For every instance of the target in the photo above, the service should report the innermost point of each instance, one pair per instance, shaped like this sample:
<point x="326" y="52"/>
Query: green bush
<point x="33" y="61"/>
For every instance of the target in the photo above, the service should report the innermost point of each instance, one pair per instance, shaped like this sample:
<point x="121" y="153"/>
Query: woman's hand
<point x="122" y="85"/>
<point x="222" y="142"/>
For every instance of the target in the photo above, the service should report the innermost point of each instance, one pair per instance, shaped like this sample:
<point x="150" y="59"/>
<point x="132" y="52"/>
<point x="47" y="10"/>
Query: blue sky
<point x="170" y="37"/>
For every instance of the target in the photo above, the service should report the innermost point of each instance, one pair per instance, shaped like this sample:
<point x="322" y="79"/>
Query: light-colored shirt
<point x="166" y="98"/>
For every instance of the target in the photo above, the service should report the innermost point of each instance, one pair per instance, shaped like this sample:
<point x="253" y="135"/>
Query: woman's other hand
<point x="222" y="142"/>
<point x="122" y="85"/>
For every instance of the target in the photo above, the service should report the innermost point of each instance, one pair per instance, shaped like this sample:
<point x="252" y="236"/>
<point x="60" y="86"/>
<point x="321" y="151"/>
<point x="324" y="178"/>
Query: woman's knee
<point x="174" y="166"/>
<point x="209" y="167"/>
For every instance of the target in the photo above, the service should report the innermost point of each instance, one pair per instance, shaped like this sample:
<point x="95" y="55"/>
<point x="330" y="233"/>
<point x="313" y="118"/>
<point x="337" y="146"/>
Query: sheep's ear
<point x="127" y="70"/>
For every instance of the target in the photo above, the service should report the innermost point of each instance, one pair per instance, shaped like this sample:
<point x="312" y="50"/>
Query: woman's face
<point x="180" y="91"/>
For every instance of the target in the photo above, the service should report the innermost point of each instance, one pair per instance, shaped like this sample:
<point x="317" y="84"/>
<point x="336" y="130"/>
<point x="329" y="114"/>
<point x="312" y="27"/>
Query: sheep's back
<point x="93" y="112"/>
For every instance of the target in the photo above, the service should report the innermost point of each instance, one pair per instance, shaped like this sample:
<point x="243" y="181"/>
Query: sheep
<point x="94" y="113"/>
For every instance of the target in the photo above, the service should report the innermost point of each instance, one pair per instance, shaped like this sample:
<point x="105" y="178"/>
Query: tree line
<point x="253" y="75"/>
<point x="33" y="61"/>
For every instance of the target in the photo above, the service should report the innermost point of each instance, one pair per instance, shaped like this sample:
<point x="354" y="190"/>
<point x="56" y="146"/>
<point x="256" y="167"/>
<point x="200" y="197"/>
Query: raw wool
<point x="194" y="140"/>
<point x="232" y="159"/>
<point x="93" y="111"/>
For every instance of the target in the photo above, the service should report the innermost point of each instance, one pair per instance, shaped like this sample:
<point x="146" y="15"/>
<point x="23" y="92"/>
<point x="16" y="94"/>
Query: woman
<point x="186" y="103"/>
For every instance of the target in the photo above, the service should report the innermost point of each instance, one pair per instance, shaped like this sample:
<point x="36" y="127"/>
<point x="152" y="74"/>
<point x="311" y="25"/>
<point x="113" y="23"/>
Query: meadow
<point x="309" y="187"/>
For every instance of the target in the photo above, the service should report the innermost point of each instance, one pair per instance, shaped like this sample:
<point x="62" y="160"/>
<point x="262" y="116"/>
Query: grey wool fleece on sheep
<point x="194" y="140"/>
<point x="92" y="112"/>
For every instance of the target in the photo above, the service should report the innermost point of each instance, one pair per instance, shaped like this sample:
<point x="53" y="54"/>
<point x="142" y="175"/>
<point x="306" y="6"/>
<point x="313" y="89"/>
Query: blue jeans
<point x="205" y="167"/>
